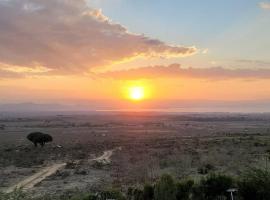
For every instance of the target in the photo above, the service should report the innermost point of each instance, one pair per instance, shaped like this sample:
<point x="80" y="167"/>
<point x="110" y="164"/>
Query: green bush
<point x="130" y="193"/>
<point x="184" y="189"/>
<point x="137" y="194"/>
<point x="252" y="185"/>
<point x="15" y="195"/>
<point x="255" y="185"/>
<point x="212" y="187"/>
<point x="111" y="194"/>
<point x="148" y="192"/>
<point x="84" y="197"/>
<point x="165" y="189"/>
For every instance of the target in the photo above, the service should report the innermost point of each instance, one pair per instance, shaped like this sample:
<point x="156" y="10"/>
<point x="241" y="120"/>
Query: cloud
<point x="254" y="63"/>
<point x="205" y="51"/>
<point x="13" y="71"/>
<point x="176" y="71"/>
<point x="6" y="74"/>
<point x="265" y="5"/>
<point x="66" y="36"/>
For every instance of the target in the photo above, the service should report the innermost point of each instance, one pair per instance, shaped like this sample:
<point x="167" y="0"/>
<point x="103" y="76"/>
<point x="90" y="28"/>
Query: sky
<point x="59" y="51"/>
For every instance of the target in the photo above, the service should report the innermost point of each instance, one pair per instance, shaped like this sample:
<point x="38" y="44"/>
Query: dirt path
<point x="105" y="157"/>
<point x="36" y="178"/>
<point x="31" y="181"/>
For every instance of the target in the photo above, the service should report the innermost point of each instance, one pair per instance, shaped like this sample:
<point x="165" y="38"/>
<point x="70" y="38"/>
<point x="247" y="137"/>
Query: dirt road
<point x="31" y="181"/>
<point x="36" y="178"/>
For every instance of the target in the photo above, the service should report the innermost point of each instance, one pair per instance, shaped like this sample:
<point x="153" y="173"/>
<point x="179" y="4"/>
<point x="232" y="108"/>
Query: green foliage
<point x="47" y="197"/>
<point x="84" y="197"/>
<point x="15" y="195"/>
<point x="165" y="189"/>
<point x="255" y="185"/>
<point x="206" y="169"/>
<point x="148" y="192"/>
<point x="130" y="193"/>
<point x="184" y="189"/>
<point x="111" y="194"/>
<point x="252" y="185"/>
<point x="212" y="187"/>
<point x="137" y="194"/>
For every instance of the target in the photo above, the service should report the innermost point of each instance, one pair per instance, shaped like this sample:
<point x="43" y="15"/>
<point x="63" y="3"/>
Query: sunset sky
<point x="59" y="51"/>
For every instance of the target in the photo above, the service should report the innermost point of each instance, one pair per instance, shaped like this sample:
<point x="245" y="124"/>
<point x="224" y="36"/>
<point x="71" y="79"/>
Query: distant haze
<point x="158" y="106"/>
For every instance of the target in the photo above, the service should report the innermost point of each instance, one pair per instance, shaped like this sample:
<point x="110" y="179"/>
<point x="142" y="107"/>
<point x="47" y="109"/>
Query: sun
<point x="136" y="93"/>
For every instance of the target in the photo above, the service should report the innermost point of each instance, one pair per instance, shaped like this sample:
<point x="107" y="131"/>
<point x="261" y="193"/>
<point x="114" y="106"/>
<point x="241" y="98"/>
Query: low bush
<point x="165" y="188"/>
<point x="255" y="185"/>
<point x="184" y="189"/>
<point x="15" y="195"/>
<point x="212" y="187"/>
<point x="252" y="185"/>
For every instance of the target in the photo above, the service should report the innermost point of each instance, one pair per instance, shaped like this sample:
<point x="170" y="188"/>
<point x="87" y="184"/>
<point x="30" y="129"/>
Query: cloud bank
<point x="66" y="36"/>
<point x="176" y="71"/>
<point x="265" y="5"/>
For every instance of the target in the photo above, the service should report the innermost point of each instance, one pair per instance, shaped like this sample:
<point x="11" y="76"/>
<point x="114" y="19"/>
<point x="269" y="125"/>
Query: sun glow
<point x="136" y="93"/>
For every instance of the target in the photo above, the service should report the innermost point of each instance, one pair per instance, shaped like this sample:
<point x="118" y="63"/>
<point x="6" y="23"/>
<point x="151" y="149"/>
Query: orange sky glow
<point x="83" y="54"/>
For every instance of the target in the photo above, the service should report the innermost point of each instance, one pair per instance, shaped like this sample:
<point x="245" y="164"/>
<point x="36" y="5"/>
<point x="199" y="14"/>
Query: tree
<point x="39" y="138"/>
<point x="165" y="188"/>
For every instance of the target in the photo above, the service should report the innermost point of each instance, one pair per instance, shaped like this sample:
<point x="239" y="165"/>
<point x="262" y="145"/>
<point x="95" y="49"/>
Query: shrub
<point x="206" y="169"/>
<point x="137" y="194"/>
<point x="213" y="187"/>
<point x="255" y="184"/>
<point x="111" y="194"/>
<point x="15" y="195"/>
<point x="130" y="193"/>
<point x="184" y="189"/>
<point x="148" y="192"/>
<point x="84" y="197"/>
<point x="165" y="189"/>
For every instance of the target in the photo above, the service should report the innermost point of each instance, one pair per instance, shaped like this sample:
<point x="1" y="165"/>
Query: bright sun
<point x="136" y="93"/>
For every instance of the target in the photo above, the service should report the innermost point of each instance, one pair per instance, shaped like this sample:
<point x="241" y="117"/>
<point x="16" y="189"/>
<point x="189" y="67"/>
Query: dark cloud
<point x="68" y="36"/>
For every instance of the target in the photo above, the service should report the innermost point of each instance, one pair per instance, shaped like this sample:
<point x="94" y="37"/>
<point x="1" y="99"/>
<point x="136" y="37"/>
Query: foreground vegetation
<point x="251" y="185"/>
